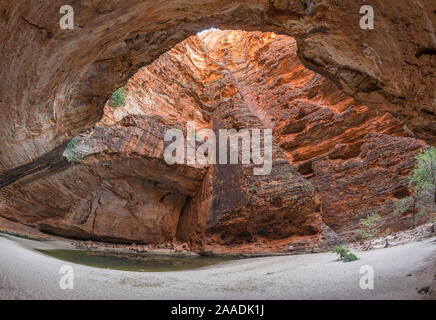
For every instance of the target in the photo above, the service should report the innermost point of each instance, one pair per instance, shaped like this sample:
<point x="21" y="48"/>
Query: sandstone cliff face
<point x="391" y="67"/>
<point x="122" y="180"/>
<point x="55" y="82"/>
<point x="334" y="159"/>
<point x="342" y="146"/>
<point x="122" y="190"/>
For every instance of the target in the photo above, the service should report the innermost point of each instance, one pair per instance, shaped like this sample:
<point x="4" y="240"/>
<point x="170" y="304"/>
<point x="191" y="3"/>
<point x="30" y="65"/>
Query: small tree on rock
<point x="369" y="227"/>
<point x="118" y="98"/>
<point x="422" y="201"/>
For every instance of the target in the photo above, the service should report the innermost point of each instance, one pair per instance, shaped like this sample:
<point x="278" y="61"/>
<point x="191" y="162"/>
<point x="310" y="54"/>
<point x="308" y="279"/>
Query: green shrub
<point x="340" y="250"/>
<point x="70" y="152"/>
<point x="350" y="257"/>
<point x="370" y="226"/>
<point x="118" y="98"/>
<point x="72" y="144"/>
<point x="344" y="254"/>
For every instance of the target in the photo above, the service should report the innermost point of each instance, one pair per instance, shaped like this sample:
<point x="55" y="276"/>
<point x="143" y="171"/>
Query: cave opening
<point x="121" y="188"/>
<point x="229" y="79"/>
<point x="86" y="111"/>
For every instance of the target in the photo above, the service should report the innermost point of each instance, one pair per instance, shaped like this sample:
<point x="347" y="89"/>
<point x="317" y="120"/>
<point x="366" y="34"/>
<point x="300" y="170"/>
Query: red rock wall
<point x="331" y="155"/>
<point x="54" y="82"/>
<point x="335" y="142"/>
<point x="121" y="191"/>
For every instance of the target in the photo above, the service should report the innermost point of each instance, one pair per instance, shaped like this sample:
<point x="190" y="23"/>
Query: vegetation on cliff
<point x="118" y="98"/>
<point x="422" y="200"/>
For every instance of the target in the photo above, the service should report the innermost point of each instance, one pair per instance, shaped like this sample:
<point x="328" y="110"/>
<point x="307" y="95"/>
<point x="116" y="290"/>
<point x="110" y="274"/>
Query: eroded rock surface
<point x="334" y="159"/>
<point x="116" y="188"/>
<point x="359" y="159"/>
<point x="55" y="82"/>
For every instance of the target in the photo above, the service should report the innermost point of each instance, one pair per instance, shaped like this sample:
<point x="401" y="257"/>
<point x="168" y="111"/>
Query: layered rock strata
<point x="117" y="187"/>
<point x="334" y="159"/>
<point x="55" y="81"/>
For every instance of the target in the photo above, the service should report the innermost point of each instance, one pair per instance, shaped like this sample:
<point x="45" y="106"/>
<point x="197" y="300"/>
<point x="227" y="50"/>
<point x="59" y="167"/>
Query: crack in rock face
<point x="334" y="160"/>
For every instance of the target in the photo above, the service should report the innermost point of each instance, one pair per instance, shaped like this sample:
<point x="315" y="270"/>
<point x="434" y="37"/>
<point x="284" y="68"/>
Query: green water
<point x="131" y="262"/>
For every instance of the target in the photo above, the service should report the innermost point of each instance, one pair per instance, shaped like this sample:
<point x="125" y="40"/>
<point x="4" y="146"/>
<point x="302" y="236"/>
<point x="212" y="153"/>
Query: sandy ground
<point x="27" y="274"/>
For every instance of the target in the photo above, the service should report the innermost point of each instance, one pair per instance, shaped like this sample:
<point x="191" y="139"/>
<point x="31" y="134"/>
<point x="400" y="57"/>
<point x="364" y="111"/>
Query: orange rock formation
<point x="334" y="160"/>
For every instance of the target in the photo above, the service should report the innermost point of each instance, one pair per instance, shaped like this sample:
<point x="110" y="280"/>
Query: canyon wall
<point x="116" y="187"/>
<point x="334" y="159"/>
<point x="358" y="158"/>
<point x="55" y="82"/>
